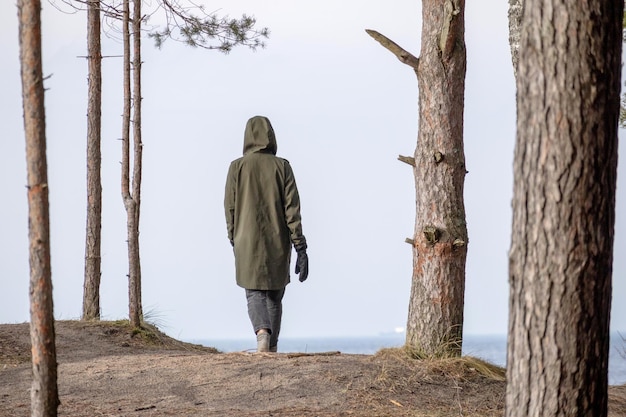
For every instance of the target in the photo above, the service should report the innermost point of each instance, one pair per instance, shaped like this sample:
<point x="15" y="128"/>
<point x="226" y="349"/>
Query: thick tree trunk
<point x="44" y="391"/>
<point x="91" y="293"/>
<point x="435" y="320"/>
<point x="563" y="208"/>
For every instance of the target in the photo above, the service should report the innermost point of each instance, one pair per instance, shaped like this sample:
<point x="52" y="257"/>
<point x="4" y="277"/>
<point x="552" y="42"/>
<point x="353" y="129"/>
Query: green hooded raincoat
<point x="262" y="210"/>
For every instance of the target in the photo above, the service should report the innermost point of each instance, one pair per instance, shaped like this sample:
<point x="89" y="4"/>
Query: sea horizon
<point x="490" y="348"/>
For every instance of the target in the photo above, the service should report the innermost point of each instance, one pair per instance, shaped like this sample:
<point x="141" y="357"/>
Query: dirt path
<point x="106" y="369"/>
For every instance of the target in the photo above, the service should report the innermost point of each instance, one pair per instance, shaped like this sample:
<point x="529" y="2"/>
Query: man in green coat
<point x="263" y="219"/>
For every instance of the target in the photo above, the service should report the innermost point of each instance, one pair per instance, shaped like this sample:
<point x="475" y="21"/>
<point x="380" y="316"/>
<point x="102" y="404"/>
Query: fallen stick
<point x="297" y="355"/>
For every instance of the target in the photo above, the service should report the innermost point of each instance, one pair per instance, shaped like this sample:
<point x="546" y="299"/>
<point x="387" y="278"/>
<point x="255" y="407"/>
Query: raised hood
<point x="259" y="136"/>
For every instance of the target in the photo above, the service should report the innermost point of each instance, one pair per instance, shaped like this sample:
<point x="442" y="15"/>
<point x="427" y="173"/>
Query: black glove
<point x="302" y="265"/>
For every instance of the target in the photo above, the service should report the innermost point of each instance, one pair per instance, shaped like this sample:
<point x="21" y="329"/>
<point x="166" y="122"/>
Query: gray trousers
<point x="265" y="309"/>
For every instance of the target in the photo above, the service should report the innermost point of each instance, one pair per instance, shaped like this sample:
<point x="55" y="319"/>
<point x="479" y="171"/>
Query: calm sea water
<point x="489" y="348"/>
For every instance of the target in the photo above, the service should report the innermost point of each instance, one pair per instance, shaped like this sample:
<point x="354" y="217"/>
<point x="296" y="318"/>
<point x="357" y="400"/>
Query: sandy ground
<point x="107" y="369"/>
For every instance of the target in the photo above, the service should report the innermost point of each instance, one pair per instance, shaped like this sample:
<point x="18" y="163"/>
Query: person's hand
<point x="302" y="265"/>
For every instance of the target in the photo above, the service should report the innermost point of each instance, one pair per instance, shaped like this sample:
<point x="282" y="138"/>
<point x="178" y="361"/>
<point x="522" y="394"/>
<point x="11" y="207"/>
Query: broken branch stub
<point x="407" y="159"/>
<point x="402" y="54"/>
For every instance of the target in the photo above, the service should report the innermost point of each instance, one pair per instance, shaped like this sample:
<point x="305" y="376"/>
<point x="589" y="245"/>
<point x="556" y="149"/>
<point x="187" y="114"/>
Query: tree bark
<point x="561" y="255"/>
<point x="91" y="293"/>
<point x="44" y="391"/>
<point x="435" y="320"/>
<point x="516" y="9"/>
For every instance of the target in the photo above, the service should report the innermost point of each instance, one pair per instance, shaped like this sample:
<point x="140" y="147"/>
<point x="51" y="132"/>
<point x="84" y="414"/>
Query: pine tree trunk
<point x="44" y="391"/>
<point x="91" y="294"/>
<point x="129" y="204"/>
<point x="568" y="83"/>
<point x="137" y="163"/>
<point x="132" y="197"/>
<point x="435" y="321"/>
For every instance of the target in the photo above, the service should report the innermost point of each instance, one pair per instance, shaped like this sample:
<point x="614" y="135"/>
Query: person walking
<point x="262" y="207"/>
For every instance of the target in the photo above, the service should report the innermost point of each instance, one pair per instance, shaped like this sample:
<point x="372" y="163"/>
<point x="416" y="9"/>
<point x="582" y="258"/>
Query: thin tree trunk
<point x="561" y="257"/>
<point x="131" y="200"/>
<point x="44" y="391"/>
<point x="91" y="294"/>
<point x="435" y="320"/>
<point x="129" y="203"/>
<point x="133" y="226"/>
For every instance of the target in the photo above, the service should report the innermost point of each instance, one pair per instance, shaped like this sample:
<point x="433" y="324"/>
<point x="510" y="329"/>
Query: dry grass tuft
<point x="430" y="387"/>
<point x="459" y="367"/>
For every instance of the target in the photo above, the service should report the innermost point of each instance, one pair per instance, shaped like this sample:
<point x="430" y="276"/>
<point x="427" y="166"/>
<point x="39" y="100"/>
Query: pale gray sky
<point x="343" y="108"/>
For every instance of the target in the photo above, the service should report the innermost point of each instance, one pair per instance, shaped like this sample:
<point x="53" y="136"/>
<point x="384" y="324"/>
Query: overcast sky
<point x="343" y="108"/>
